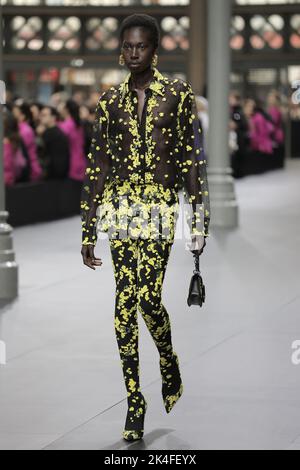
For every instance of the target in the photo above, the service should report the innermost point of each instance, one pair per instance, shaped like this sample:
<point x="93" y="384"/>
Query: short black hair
<point x="143" y="21"/>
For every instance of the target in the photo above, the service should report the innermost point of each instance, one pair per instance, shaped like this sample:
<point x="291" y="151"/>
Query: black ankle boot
<point x="172" y="386"/>
<point x="134" y="426"/>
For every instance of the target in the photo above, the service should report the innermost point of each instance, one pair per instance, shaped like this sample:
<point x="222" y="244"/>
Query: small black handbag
<point x="196" y="294"/>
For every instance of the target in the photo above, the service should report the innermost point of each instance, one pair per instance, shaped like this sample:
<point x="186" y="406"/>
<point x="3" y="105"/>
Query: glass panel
<point x="237" y="40"/>
<point x="295" y="36"/>
<point x="267" y="31"/>
<point x="102" y="33"/>
<point x="27" y="33"/>
<point x="174" y="33"/>
<point x="64" y="34"/>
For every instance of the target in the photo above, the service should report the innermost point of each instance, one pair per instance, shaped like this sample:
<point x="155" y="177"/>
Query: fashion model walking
<point x="146" y="146"/>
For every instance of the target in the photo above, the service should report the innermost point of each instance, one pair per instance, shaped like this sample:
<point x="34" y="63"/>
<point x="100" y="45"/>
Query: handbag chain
<point x="197" y="263"/>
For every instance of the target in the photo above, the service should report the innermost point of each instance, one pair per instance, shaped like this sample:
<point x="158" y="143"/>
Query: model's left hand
<point x="197" y="244"/>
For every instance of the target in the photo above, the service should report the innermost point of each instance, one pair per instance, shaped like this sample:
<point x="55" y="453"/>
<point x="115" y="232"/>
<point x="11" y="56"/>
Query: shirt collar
<point x="156" y="84"/>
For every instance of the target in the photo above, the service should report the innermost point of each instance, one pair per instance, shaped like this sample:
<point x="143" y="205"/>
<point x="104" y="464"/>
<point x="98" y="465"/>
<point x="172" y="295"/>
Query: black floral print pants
<point x="140" y="260"/>
<point x="139" y="269"/>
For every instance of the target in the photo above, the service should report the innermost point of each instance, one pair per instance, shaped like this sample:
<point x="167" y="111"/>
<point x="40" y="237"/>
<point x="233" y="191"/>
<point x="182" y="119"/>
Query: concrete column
<point x="8" y="265"/>
<point x="224" y="209"/>
<point x="197" y="64"/>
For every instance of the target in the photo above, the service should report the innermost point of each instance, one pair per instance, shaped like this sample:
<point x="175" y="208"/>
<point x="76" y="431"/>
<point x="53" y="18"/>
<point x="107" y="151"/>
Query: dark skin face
<point x="138" y="51"/>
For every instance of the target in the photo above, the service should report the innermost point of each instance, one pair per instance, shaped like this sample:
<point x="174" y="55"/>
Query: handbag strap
<point x="197" y="263"/>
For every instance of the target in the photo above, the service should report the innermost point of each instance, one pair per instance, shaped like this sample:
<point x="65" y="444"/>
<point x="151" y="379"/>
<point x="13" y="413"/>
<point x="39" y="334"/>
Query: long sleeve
<point x="96" y="174"/>
<point x="193" y="165"/>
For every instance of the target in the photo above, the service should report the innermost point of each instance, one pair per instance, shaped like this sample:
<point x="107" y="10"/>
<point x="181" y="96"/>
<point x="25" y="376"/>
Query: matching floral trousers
<point x="139" y="265"/>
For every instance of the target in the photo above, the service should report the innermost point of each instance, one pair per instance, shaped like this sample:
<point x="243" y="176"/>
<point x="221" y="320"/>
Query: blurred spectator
<point x="261" y="127"/>
<point x="58" y="96"/>
<point x="260" y="156"/>
<point x="233" y="142"/>
<point x="241" y="128"/>
<point x="274" y="110"/>
<point x="87" y="123"/>
<point x="72" y="127"/>
<point x="35" y="109"/>
<point x="56" y="154"/>
<point x="93" y="98"/>
<point x="24" y="117"/>
<point x="79" y="97"/>
<point x="294" y="116"/>
<point x="16" y="165"/>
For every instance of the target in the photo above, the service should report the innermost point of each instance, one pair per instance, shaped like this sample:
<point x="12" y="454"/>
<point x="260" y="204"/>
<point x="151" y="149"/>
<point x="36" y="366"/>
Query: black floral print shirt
<point x="165" y="147"/>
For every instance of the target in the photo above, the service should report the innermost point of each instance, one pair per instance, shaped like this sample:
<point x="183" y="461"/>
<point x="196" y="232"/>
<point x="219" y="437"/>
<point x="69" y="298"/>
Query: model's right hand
<point x="89" y="258"/>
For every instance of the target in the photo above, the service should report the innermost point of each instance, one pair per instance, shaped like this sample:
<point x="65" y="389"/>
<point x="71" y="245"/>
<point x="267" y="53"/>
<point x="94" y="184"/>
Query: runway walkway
<point x="62" y="386"/>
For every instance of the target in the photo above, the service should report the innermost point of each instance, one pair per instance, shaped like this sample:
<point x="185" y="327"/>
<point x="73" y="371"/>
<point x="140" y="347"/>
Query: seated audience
<point x="24" y="117"/>
<point x="56" y="155"/>
<point x="72" y="127"/>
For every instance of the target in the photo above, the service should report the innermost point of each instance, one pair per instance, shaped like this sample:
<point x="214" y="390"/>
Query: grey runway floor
<point x="62" y="386"/>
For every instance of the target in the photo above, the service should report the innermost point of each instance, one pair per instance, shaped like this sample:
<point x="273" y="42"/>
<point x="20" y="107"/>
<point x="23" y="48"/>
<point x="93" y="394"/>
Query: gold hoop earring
<point x="155" y="60"/>
<point x="121" y="60"/>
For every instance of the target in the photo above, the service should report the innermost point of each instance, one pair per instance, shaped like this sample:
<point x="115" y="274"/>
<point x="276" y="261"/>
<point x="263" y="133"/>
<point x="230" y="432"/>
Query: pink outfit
<point x="28" y="136"/>
<point x="276" y="115"/>
<point x="261" y="134"/>
<point x="14" y="162"/>
<point x="76" y="143"/>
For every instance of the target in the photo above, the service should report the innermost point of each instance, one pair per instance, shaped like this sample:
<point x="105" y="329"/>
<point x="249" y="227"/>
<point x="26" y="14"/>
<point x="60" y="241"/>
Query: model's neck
<point x="141" y="79"/>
